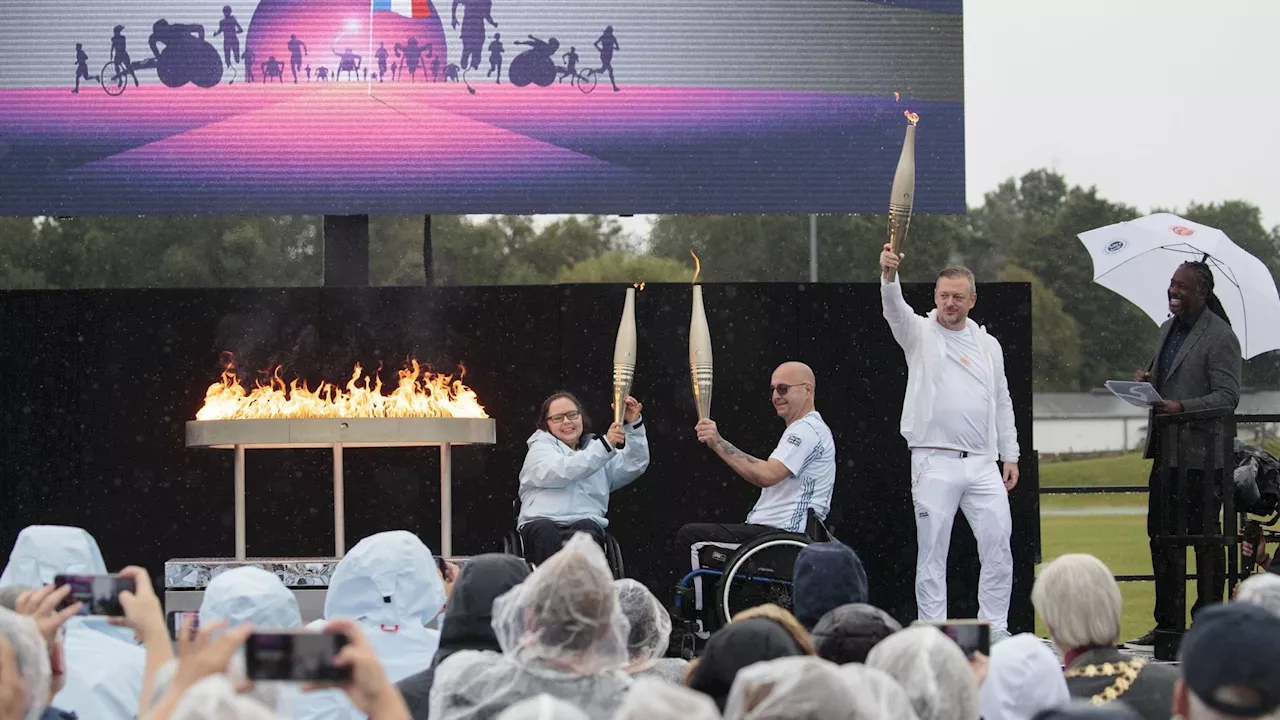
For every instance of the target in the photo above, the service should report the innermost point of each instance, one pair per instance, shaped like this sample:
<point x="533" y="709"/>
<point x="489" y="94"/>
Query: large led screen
<point x="476" y="106"/>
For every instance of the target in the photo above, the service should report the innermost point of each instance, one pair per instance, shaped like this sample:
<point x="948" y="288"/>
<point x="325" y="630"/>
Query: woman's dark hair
<point x="546" y="407"/>
<point x="1204" y="275"/>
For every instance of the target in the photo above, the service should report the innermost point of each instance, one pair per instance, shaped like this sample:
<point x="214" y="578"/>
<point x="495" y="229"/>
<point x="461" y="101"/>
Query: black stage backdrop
<point x="98" y="386"/>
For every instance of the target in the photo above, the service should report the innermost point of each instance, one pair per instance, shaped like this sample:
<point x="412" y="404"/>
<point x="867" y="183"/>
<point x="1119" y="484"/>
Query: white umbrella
<point x="1136" y="259"/>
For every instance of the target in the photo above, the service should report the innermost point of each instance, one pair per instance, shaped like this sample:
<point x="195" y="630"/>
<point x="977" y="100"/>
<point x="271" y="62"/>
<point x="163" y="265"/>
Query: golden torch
<point x="904" y="189"/>
<point x="624" y="358"/>
<point x="700" y="369"/>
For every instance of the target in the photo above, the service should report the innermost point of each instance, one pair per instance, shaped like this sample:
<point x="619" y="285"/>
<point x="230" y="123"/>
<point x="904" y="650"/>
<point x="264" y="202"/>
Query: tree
<point x="1055" y="336"/>
<point x="624" y="267"/>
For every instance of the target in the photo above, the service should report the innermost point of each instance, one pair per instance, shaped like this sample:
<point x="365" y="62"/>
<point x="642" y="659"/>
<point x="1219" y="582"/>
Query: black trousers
<point x="716" y="532"/>
<point x="544" y="538"/>
<point x="1210" y="559"/>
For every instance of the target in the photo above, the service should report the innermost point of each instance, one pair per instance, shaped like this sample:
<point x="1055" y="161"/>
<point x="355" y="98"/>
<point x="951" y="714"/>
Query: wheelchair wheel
<point x="113" y="81"/>
<point x="759" y="573"/>
<point x="587" y="80"/>
<point x="613" y="551"/>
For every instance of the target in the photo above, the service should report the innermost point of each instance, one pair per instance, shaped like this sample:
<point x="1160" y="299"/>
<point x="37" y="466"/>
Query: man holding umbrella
<point x="1196" y="366"/>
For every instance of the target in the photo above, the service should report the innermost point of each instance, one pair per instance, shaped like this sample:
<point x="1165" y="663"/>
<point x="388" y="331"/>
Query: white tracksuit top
<point x="919" y="337"/>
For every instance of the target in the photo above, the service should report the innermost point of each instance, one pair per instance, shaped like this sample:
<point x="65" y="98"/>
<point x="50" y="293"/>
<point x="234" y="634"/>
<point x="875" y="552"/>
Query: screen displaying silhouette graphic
<point x="477" y="106"/>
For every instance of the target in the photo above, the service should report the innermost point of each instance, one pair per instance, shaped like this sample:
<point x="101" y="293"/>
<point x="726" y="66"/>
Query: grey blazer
<point x="1204" y="375"/>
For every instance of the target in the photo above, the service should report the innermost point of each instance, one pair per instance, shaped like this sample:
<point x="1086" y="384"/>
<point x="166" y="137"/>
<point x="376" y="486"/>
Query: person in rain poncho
<point x="876" y="696"/>
<point x="31" y="660"/>
<point x="1023" y="678"/>
<point x="470" y="625"/>
<point x="933" y="671"/>
<point x="789" y="688"/>
<point x="246" y="595"/>
<point x="735" y="646"/>
<point x="1085" y="710"/>
<point x="651" y="698"/>
<point x="1261" y="590"/>
<point x="542" y="707"/>
<point x="568" y="473"/>
<point x="847" y="633"/>
<point x="390" y="586"/>
<point x="562" y="633"/>
<point x="104" y="665"/>
<point x="650" y="633"/>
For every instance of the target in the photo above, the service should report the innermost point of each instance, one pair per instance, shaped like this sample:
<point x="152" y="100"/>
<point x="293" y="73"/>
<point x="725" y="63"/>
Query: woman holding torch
<point x="569" y="473"/>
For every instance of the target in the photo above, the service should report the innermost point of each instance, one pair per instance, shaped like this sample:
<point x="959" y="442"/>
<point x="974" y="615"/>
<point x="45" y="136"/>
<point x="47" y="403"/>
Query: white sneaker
<point x="999" y="636"/>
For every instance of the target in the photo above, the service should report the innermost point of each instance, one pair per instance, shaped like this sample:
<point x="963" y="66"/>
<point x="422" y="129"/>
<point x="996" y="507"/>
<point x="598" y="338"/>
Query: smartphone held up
<point x="971" y="635"/>
<point x="99" y="594"/>
<point x="295" y="656"/>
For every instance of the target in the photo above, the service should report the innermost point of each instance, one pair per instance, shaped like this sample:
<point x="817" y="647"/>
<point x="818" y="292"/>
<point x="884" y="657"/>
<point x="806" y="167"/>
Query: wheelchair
<point x="754" y="573"/>
<point x="513" y="544"/>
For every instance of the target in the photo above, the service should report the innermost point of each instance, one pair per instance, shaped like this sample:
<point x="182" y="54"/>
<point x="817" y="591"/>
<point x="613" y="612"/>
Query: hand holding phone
<point x="295" y="656"/>
<point x="174" y="618"/>
<point x="99" y="594"/>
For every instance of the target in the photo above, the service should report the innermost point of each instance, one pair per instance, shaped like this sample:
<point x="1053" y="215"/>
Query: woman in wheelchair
<point x="569" y="473"/>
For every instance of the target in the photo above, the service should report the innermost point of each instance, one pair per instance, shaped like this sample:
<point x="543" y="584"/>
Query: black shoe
<point x="1146" y="641"/>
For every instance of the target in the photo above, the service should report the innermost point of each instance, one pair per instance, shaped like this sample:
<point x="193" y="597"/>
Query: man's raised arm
<point x="761" y="473"/>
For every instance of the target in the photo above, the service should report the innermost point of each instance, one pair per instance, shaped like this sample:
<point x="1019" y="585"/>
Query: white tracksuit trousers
<point x="941" y="481"/>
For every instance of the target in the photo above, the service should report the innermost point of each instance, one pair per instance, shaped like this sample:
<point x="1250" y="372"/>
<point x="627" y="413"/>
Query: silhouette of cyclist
<point x="120" y="55"/>
<point x="229" y="28"/>
<point x="570" y="69"/>
<point x="82" y="67"/>
<point x="296" y="49"/>
<point x="475" y="14"/>
<point x="606" y="44"/>
<point x="350" y="62"/>
<point x="413" y="57"/>
<point x="165" y="33"/>
<point x="495" y="57"/>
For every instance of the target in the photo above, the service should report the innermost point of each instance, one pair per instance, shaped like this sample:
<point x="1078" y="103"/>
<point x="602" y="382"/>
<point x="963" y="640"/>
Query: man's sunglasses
<point x="782" y="388"/>
<point x="557" y="419"/>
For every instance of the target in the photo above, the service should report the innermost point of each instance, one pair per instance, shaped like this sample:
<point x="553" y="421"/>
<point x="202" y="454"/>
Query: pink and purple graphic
<point x="469" y="106"/>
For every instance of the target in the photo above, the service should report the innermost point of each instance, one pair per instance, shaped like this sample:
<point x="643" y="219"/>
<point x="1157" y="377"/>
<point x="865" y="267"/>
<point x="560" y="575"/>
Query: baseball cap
<point x="1233" y="645"/>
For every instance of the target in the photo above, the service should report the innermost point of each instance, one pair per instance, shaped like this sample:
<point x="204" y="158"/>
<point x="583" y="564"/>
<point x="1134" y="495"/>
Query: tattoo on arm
<point x="732" y="451"/>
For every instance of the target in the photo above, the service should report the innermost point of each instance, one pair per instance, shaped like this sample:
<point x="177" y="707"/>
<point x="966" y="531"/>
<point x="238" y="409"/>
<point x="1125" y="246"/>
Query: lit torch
<point x="700" y="368"/>
<point x="904" y="189"/>
<point x="624" y="358"/>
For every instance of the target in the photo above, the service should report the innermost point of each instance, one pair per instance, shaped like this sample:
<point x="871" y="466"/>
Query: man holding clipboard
<point x="1196" y="366"/>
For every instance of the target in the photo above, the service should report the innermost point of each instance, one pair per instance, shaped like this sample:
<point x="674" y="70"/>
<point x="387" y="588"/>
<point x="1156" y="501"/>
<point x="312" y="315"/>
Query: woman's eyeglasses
<point x="557" y="419"/>
<point x="782" y="388"/>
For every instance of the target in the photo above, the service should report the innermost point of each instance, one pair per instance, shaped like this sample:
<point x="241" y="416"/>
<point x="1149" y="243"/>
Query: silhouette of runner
<point x="475" y="14"/>
<point x="308" y="72"/>
<point x="435" y="69"/>
<point x="248" y="65"/>
<point x="366" y="74"/>
<point x="296" y="49"/>
<point x="82" y="67"/>
<point x="413" y="56"/>
<point x="229" y="28"/>
<point x="570" y="69"/>
<point x="273" y="68"/>
<point x="495" y="57"/>
<point x="381" y="56"/>
<point x="395" y="71"/>
<point x="120" y="55"/>
<point x="350" y="62"/>
<point x="606" y="45"/>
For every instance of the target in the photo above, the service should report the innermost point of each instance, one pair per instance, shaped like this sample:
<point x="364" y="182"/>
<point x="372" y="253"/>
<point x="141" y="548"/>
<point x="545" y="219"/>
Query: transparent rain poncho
<point x="214" y="698"/>
<point x="1262" y="590"/>
<point x="542" y="707"/>
<point x="1023" y="678"/>
<point x="104" y="664"/>
<point x="650" y="624"/>
<point x="876" y="696"/>
<point x="790" y="688"/>
<point x="32" y="656"/>
<point x="652" y="699"/>
<point x="562" y="633"/>
<point x="933" y="671"/>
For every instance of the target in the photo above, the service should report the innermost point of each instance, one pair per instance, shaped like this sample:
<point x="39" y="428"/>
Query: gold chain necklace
<point x="1127" y="671"/>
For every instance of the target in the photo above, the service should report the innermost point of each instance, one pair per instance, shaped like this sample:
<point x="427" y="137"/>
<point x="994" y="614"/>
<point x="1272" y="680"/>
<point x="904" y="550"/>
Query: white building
<point x="1101" y="422"/>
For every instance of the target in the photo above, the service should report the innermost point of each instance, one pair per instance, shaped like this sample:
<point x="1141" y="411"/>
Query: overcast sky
<point x="1157" y="102"/>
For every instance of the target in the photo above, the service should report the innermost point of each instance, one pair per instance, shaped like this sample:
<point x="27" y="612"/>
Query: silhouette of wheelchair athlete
<point x="534" y="66"/>
<point x="186" y="57"/>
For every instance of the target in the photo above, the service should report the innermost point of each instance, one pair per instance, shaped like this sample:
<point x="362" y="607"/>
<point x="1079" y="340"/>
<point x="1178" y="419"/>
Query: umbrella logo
<point x="1183" y="230"/>
<point x="1116" y="246"/>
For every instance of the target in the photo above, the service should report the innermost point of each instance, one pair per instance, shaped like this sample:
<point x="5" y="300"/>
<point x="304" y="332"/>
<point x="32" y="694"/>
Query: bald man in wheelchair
<point x="797" y="477"/>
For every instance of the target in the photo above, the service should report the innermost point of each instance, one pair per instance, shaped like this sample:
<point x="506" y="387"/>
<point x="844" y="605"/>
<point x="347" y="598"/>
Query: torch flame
<point x="418" y="393"/>
<point x="896" y="96"/>
<point x="697" y="266"/>
<point x="912" y="117"/>
<point x="639" y="285"/>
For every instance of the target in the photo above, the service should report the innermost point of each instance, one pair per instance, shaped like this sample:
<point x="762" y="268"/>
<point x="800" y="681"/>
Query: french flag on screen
<point x="407" y="8"/>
